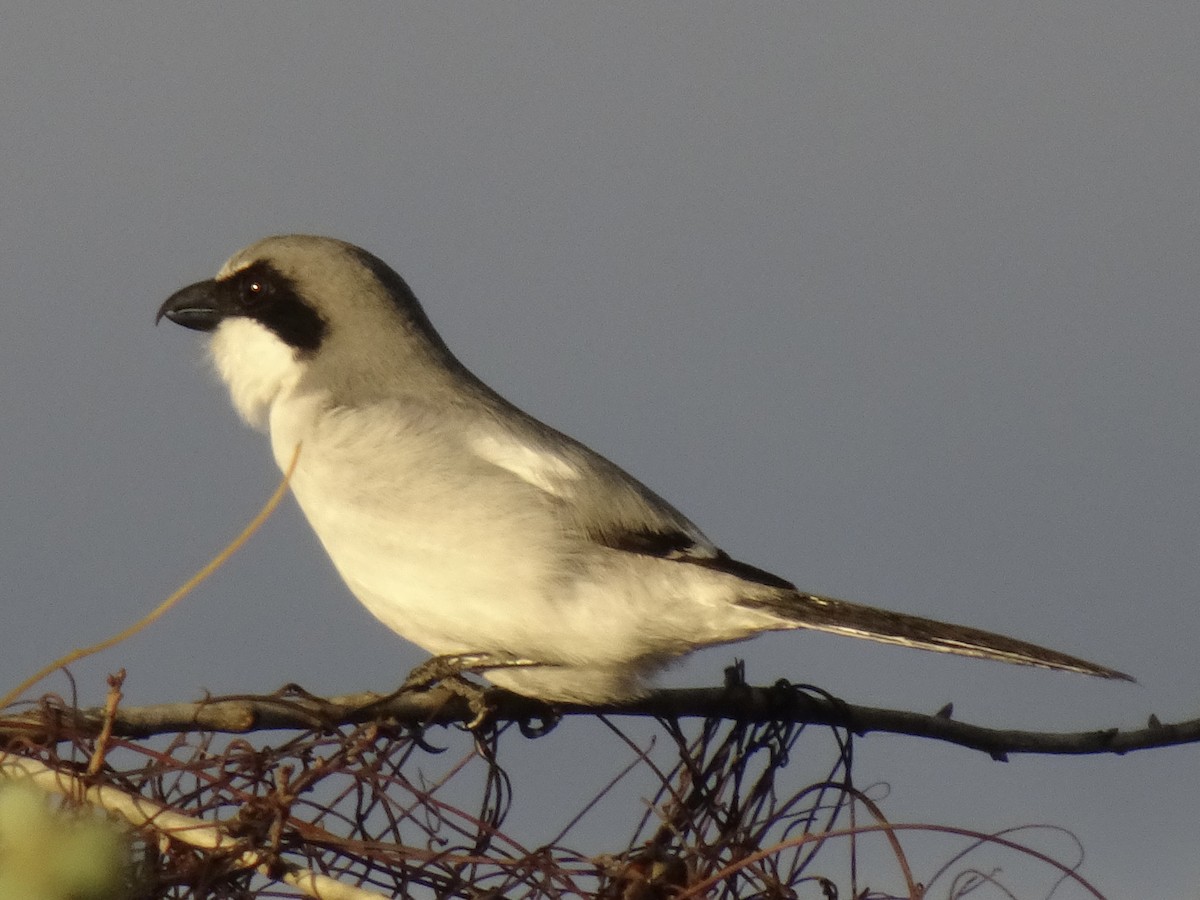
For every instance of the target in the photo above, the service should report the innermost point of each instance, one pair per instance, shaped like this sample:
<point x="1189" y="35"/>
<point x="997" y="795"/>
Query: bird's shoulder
<point x="597" y="500"/>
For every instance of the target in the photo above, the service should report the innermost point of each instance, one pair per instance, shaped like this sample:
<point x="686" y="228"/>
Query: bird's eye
<point x="255" y="290"/>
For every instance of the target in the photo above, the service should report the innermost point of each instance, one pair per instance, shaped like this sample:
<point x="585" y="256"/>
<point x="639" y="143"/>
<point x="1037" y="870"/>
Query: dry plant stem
<point x="289" y="710"/>
<point x="188" y="586"/>
<point x="111" y="704"/>
<point x="893" y="842"/>
<point x="697" y="890"/>
<point x="143" y="813"/>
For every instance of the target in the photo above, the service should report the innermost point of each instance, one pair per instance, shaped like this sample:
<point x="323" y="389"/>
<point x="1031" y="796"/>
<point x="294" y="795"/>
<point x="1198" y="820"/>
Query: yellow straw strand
<point x="188" y="586"/>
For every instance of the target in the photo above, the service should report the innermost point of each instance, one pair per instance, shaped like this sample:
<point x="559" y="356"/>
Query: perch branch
<point x="292" y="708"/>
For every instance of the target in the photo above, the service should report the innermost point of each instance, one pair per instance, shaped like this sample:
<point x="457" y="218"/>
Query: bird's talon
<point x="547" y="720"/>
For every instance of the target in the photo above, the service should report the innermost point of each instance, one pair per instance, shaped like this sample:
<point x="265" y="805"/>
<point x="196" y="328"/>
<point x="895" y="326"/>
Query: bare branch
<point x="293" y="708"/>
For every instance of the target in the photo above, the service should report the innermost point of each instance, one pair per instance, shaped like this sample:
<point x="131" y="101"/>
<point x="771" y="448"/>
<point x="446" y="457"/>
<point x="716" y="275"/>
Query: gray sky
<point x="896" y="300"/>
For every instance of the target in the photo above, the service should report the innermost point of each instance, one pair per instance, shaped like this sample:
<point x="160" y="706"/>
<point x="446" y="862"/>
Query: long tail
<point x="800" y="610"/>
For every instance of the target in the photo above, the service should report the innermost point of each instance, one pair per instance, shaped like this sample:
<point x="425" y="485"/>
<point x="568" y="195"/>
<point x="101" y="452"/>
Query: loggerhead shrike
<point x="469" y="527"/>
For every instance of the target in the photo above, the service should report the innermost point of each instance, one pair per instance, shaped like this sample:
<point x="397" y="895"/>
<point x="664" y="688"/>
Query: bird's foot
<point x="456" y="665"/>
<point x="450" y="671"/>
<point x="476" y="696"/>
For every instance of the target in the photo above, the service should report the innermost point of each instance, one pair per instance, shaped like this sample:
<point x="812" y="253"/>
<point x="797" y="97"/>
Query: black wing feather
<point x="682" y="547"/>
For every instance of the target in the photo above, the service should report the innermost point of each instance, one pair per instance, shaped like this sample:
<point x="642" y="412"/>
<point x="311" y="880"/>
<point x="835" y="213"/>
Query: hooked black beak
<point x="195" y="306"/>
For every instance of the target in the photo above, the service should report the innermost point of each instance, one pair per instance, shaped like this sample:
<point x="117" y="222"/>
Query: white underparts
<point x="255" y="364"/>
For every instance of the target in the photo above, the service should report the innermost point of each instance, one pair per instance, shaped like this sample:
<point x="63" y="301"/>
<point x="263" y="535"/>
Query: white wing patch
<point x="546" y="471"/>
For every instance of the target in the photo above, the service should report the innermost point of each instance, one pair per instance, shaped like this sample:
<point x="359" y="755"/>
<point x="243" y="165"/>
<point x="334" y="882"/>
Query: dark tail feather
<point x="841" y="617"/>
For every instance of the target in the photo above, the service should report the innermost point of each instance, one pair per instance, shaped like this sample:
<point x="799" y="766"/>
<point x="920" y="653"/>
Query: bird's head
<point x="301" y="308"/>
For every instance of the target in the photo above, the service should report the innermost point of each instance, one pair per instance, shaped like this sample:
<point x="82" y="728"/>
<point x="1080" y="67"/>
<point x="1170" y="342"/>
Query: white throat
<point x="255" y="364"/>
